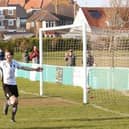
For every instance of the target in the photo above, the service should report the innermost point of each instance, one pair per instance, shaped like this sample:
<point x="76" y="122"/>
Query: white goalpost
<point x="82" y="28"/>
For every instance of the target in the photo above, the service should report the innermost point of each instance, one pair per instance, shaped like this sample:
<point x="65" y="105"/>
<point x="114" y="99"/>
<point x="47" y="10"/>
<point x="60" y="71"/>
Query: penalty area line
<point x="58" y="98"/>
<point x="109" y="110"/>
<point x="29" y="93"/>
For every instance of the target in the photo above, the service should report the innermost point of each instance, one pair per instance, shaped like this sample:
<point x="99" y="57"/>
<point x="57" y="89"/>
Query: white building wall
<point x="80" y="18"/>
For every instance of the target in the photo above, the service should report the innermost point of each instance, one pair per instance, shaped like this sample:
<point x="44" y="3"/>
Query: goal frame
<point x="84" y="40"/>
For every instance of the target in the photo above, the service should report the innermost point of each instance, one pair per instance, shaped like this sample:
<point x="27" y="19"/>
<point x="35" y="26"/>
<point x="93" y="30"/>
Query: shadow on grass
<point x="90" y="119"/>
<point x="57" y="127"/>
<point x="80" y="126"/>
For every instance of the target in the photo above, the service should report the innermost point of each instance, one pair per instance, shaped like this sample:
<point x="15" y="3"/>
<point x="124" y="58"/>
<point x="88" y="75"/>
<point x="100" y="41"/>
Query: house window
<point x="23" y="22"/>
<point x="95" y="14"/>
<point x="63" y="22"/>
<point x="50" y="23"/>
<point x="10" y="22"/>
<point x="32" y="24"/>
<point x="10" y="12"/>
<point x="1" y="23"/>
<point x="1" y="12"/>
<point x="47" y="24"/>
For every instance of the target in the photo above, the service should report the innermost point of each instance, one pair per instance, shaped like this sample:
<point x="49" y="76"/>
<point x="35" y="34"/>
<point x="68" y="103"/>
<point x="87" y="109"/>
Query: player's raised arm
<point x="38" y="69"/>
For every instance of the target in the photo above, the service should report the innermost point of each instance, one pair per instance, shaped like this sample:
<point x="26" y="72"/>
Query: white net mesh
<point x="109" y="52"/>
<point x="110" y="47"/>
<point x="59" y="43"/>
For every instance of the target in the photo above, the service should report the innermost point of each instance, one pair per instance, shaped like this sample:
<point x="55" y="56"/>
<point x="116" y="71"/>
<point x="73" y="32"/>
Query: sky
<point x="98" y="3"/>
<point x="93" y="3"/>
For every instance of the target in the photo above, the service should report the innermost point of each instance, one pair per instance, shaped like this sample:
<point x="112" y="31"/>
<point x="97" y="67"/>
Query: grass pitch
<point x="61" y="108"/>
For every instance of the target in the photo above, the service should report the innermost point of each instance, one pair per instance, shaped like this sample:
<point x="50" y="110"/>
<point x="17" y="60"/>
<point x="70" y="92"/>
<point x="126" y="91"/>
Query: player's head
<point x="9" y="55"/>
<point x="34" y="48"/>
<point x="70" y="50"/>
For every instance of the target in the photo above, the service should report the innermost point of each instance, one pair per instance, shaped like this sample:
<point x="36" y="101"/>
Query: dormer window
<point x="95" y="14"/>
<point x="10" y="12"/>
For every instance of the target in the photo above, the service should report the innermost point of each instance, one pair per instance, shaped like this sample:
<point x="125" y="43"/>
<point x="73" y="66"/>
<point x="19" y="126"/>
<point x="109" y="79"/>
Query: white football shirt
<point x="9" y="71"/>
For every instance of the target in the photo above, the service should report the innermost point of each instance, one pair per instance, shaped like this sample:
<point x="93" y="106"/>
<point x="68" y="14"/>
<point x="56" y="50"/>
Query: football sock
<point x="6" y="106"/>
<point x="14" y="110"/>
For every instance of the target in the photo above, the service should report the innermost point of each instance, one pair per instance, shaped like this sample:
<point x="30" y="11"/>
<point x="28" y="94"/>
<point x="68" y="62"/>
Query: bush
<point x="56" y="44"/>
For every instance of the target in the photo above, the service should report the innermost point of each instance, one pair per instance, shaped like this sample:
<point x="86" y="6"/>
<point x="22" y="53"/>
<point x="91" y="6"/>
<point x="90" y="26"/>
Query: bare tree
<point x="118" y="14"/>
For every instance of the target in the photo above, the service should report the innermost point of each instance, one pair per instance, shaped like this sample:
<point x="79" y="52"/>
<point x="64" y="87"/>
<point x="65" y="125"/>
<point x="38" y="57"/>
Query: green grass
<point x="61" y="108"/>
<point x="18" y="56"/>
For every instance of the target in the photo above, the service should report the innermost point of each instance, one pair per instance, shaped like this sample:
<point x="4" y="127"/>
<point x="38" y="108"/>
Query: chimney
<point x="41" y="3"/>
<point x="25" y="2"/>
<point x="56" y="6"/>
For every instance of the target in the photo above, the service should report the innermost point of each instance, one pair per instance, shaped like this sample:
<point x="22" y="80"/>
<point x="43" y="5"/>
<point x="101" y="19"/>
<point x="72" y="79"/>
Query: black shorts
<point x="10" y="90"/>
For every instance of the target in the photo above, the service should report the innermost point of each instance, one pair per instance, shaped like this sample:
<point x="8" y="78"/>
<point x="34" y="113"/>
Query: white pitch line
<point x="30" y="93"/>
<point x="68" y="101"/>
<point x="93" y="105"/>
<point x="109" y="110"/>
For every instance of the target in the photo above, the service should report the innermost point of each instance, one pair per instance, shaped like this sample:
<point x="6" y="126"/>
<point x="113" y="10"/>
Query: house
<point x="13" y="22"/>
<point x="100" y="17"/>
<point x="33" y="4"/>
<point x="46" y="19"/>
<point x="92" y="17"/>
<point x="12" y="18"/>
<point x="41" y="18"/>
<point x="62" y="7"/>
<point x="50" y="17"/>
<point x="28" y="5"/>
<point x="56" y="12"/>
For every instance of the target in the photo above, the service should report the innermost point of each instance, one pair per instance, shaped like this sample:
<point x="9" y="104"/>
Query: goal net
<point x="64" y="55"/>
<point x="101" y="61"/>
<point x="108" y="78"/>
<point x="109" y="47"/>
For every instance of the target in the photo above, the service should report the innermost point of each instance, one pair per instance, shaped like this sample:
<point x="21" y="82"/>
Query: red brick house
<point x="12" y="18"/>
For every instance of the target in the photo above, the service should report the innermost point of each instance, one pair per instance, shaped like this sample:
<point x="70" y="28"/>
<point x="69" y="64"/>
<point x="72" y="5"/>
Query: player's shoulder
<point x="2" y="62"/>
<point x="14" y="61"/>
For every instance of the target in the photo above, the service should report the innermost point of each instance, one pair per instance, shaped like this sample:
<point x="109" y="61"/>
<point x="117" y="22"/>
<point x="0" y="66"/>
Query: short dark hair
<point x="70" y="50"/>
<point x="10" y="51"/>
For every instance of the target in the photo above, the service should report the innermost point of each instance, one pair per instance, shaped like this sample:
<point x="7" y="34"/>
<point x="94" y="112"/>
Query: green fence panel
<point x="68" y="75"/>
<point x="109" y="78"/>
<point x="99" y="78"/>
<point x="120" y="78"/>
